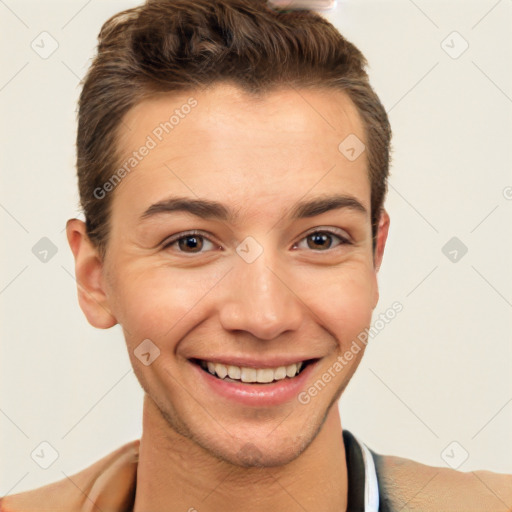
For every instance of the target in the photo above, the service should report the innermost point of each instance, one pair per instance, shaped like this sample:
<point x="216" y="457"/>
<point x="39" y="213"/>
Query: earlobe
<point x="89" y="276"/>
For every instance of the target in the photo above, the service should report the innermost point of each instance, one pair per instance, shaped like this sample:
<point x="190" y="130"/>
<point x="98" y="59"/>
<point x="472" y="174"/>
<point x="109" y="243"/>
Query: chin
<point x="250" y="447"/>
<point x="253" y="447"/>
<point x="261" y="454"/>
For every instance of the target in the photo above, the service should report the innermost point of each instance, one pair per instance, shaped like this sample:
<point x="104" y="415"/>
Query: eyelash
<point x="176" y="238"/>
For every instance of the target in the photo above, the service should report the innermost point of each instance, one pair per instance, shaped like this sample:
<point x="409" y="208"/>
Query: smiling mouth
<point x="248" y="375"/>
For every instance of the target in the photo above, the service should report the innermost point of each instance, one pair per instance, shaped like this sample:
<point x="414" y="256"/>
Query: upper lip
<point x="252" y="362"/>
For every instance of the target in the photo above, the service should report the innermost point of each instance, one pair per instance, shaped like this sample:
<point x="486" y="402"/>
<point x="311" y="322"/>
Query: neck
<point x="173" y="471"/>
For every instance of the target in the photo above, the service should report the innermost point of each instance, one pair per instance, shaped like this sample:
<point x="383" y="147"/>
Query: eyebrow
<point x="206" y="209"/>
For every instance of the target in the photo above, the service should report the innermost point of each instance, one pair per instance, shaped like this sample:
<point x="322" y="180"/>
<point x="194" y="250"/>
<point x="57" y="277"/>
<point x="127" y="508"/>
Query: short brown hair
<point x="177" y="45"/>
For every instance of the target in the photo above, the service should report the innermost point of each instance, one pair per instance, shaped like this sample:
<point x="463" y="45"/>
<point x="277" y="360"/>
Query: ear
<point x="382" y="236"/>
<point x="89" y="276"/>
<point x="380" y="243"/>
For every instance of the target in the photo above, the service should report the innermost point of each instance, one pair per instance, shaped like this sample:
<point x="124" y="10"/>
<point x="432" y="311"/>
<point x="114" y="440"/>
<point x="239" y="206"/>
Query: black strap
<point x="355" y="473"/>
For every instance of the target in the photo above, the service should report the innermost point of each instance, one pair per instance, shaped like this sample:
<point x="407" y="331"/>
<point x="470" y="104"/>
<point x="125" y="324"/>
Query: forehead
<point x="226" y="145"/>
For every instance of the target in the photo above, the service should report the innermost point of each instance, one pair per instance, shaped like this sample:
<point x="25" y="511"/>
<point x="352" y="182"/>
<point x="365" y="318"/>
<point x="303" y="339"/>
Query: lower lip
<point x="258" y="395"/>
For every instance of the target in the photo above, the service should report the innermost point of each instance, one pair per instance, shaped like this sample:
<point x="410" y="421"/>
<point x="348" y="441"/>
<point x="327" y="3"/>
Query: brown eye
<point x="191" y="243"/>
<point x="319" y="241"/>
<point x="322" y="241"/>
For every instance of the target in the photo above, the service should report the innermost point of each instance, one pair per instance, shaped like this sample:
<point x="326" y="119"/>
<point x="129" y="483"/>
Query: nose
<point x="260" y="299"/>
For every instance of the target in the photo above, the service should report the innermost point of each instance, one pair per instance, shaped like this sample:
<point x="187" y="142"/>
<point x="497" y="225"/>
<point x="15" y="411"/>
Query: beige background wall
<point x="440" y="372"/>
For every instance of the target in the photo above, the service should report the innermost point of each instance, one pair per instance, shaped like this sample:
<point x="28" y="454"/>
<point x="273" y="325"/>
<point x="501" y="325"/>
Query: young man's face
<point x="258" y="288"/>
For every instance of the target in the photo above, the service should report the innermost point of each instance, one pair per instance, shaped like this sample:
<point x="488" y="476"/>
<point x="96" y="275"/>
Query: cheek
<point x="344" y="302"/>
<point x="156" y="301"/>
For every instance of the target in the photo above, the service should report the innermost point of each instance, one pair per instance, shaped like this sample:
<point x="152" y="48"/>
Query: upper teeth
<point x="245" y="374"/>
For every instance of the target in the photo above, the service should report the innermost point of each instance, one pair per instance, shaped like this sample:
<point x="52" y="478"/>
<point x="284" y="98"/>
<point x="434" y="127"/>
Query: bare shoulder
<point x="409" y="485"/>
<point x="78" y="492"/>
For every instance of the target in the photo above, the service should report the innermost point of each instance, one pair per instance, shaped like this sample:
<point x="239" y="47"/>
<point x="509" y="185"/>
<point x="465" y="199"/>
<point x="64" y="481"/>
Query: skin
<point x="259" y="157"/>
